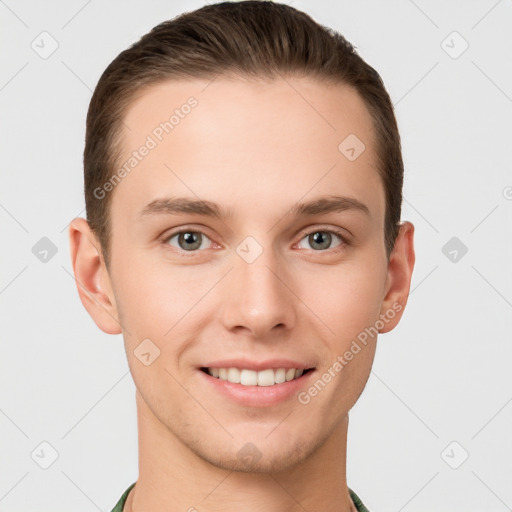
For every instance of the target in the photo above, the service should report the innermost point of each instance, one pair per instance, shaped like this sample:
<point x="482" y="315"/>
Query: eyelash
<point x="343" y="239"/>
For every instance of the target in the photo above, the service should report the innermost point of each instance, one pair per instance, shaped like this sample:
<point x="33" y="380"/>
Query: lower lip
<point x="258" y="396"/>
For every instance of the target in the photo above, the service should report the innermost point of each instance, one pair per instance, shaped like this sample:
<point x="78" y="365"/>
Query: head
<point x="262" y="117"/>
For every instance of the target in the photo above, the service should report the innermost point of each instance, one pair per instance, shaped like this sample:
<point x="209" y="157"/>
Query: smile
<point x="245" y="377"/>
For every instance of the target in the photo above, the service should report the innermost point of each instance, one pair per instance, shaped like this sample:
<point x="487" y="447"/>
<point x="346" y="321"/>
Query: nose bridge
<point x="258" y="299"/>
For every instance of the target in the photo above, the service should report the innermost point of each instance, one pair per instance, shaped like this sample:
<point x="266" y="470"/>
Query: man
<point x="243" y="183"/>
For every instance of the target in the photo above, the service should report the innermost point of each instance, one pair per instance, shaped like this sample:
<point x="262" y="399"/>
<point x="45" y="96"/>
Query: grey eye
<point x="189" y="240"/>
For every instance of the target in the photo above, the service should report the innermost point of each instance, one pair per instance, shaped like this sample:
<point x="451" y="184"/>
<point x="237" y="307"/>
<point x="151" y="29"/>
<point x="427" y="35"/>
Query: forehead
<point x="248" y="141"/>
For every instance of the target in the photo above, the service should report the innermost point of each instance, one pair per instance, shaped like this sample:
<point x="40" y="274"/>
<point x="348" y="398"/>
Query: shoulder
<point x="122" y="500"/>
<point x="357" y="501"/>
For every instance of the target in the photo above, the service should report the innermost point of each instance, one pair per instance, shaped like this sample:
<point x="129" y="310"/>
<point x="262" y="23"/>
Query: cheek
<point x="350" y="306"/>
<point x="150" y="297"/>
<point x="347" y="298"/>
<point x="154" y="305"/>
<point x="163" y="304"/>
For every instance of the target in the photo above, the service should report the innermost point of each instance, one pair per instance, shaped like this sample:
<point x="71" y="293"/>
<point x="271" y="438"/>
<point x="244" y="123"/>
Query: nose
<point x="259" y="297"/>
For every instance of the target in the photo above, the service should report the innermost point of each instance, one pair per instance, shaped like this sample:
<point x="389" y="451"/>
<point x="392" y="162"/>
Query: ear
<point x="91" y="276"/>
<point x="398" y="280"/>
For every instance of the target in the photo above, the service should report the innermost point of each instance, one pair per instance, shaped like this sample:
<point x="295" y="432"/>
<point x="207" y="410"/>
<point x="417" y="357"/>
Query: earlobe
<point x="398" y="280"/>
<point x="91" y="277"/>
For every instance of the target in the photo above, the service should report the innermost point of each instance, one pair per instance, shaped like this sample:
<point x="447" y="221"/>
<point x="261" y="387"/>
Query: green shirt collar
<point x="355" y="498"/>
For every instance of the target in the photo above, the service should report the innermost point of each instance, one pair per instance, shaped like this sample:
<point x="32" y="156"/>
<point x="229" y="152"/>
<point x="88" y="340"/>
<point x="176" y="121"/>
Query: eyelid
<point x="325" y="228"/>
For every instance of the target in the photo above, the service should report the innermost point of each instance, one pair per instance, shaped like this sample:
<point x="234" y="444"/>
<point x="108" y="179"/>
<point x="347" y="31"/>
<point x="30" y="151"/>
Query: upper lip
<point x="258" y="365"/>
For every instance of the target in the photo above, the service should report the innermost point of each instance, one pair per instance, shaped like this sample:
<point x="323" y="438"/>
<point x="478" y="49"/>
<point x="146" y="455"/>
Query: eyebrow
<point x="177" y="205"/>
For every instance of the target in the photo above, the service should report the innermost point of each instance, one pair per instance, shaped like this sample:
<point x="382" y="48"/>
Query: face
<point x="282" y="266"/>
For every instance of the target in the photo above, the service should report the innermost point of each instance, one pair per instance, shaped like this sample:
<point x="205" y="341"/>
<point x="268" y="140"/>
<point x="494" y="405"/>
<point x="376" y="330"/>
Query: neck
<point x="171" y="475"/>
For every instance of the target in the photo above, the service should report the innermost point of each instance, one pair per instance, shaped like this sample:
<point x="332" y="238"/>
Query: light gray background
<point x="442" y="375"/>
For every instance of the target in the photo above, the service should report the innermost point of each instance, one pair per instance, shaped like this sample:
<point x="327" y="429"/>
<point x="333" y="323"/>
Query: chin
<point x="258" y="457"/>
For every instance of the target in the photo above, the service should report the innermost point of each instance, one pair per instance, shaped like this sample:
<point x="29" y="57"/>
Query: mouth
<point x="252" y="378"/>
<point x="256" y="384"/>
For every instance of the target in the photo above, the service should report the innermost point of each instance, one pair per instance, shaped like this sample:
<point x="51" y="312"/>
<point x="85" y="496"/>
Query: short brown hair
<point x="251" y="38"/>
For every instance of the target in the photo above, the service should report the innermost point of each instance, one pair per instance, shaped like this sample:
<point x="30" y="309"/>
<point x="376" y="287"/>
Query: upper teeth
<point x="245" y="377"/>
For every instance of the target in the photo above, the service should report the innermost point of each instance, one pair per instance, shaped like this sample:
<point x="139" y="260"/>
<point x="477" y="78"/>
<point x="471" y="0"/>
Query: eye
<point x="322" y="239"/>
<point x="192" y="240"/>
<point x="188" y="240"/>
